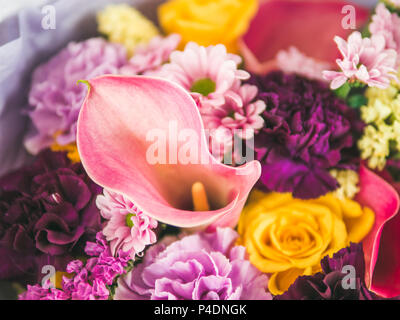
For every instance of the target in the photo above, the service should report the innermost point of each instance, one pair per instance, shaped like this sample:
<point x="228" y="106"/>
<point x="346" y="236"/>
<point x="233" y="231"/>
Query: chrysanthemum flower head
<point x="386" y="24"/>
<point x="364" y="59"/>
<point x="125" y="25"/>
<point x="209" y="73"/>
<point x="128" y="228"/>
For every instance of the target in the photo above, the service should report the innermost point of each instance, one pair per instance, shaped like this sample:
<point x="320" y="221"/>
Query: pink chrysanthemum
<point x="149" y="58"/>
<point x="294" y="61"/>
<point x="128" y="228"/>
<point x="366" y="60"/>
<point x="386" y="24"/>
<point x="209" y="73"/>
<point x="240" y="114"/>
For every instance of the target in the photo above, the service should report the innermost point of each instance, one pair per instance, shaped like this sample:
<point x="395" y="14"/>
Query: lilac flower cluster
<point x="89" y="281"/>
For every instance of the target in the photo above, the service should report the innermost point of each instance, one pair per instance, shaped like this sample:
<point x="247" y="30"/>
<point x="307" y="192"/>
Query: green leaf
<point x="357" y="100"/>
<point x="343" y="91"/>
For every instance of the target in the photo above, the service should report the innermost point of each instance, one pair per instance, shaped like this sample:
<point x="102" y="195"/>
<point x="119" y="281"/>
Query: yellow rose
<point x="288" y="237"/>
<point x="208" y="22"/>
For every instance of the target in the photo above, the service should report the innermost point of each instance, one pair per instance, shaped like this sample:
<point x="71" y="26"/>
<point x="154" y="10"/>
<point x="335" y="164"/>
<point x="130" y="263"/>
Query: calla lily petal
<point x="117" y="118"/>
<point x="382" y="256"/>
<point x="310" y="26"/>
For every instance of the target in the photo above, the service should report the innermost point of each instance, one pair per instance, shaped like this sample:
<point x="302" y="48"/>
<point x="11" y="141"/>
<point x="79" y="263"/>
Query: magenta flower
<point x="205" y="266"/>
<point x="86" y="281"/>
<point x="55" y="96"/>
<point x="148" y="58"/>
<point x="46" y="292"/>
<point x="128" y="228"/>
<point x="89" y="281"/>
<point x="208" y="73"/>
<point x="386" y="24"/>
<point x="169" y="122"/>
<point x="366" y="60"/>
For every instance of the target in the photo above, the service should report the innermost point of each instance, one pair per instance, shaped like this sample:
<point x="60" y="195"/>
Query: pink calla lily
<point x="381" y="246"/>
<point x="308" y="25"/>
<point x="113" y="127"/>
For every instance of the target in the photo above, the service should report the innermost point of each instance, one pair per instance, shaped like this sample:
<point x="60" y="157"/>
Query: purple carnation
<point x="327" y="285"/>
<point x="55" y="96"/>
<point x="204" y="266"/>
<point x="307" y="131"/>
<point x="47" y="213"/>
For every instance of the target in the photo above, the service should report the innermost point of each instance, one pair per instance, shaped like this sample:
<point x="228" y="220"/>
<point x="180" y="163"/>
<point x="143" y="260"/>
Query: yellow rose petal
<point x="288" y="237"/>
<point x="359" y="228"/>
<point x="208" y="22"/>
<point x="279" y="282"/>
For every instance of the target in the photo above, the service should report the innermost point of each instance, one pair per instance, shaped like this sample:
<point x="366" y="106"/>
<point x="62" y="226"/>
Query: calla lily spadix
<point x="113" y="141"/>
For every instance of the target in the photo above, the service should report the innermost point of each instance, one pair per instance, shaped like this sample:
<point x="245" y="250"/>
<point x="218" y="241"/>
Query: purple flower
<point x="204" y="266"/>
<point x="328" y="284"/>
<point x="106" y="266"/>
<point x="55" y="96"/>
<point x="46" y="292"/>
<point x="307" y="131"/>
<point x="89" y="282"/>
<point x="47" y="213"/>
<point x="86" y="281"/>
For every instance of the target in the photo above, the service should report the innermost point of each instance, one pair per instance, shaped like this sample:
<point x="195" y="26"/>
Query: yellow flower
<point x="288" y="237"/>
<point x="208" y="22"/>
<point x="348" y="181"/>
<point x="126" y="25"/>
<point x="381" y="137"/>
<point x="71" y="149"/>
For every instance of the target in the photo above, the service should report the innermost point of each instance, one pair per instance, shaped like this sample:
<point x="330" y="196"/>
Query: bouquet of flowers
<point x="213" y="151"/>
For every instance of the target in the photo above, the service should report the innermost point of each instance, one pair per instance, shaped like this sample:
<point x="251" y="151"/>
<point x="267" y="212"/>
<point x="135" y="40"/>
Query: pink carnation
<point x="386" y="24"/>
<point x="209" y="73"/>
<point x="366" y="60"/>
<point x="128" y="228"/>
<point x="149" y="58"/>
<point x="294" y="61"/>
<point x="203" y="266"/>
